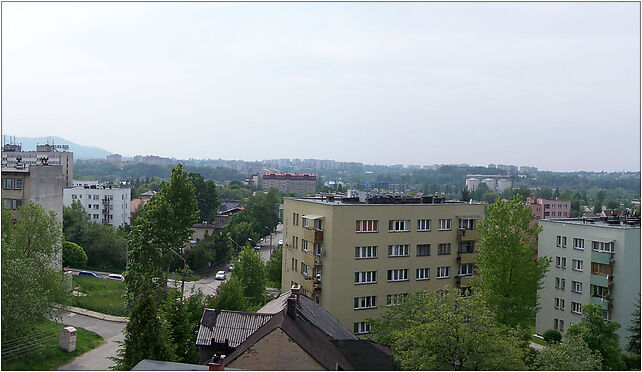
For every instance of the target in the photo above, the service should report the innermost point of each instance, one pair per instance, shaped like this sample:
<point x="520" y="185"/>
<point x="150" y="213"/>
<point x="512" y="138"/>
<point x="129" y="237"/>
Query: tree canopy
<point x="441" y="330"/>
<point x="573" y="354"/>
<point x="509" y="275"/>
<point x="249" y="270"/>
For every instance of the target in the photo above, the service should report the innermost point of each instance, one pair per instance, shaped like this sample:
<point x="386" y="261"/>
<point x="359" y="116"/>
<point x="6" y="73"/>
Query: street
<point x="97" y="359"/>
<point x="266" y="250"/>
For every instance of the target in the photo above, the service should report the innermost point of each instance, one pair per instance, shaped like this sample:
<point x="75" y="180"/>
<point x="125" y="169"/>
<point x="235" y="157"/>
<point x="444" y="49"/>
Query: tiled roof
<point x="234" y="326"/>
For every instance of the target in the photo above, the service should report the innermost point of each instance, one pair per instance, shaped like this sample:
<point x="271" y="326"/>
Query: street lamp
<point x="237" y="245"/>
<point x="270" y="230"/>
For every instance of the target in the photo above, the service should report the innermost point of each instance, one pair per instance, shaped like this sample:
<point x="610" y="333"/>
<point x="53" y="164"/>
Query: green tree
<point x="73" y="255"/>
<point x="241" y="232"/>
<point x="198" y="256"/>
<point x="441" y="330"/>
<point x="32" y="285"/>
<point x="525" y="192"/>
<point x="509" y="275"/>
<point x="249" y="270"/>
<point x="600" y="336"/>
<point x="544" y="192"/>
<point x="230" y="297"/>
<point x="633" y="346"/>
<point x="571" y="355"/>
<point x="182" y="317"/>
<point x="74" y="222"/>
<point x="105" y="247"/>
<point x="465" y="194"/>
<point x="147" y="335"/>
<point x="557" y="192"/>
<point x="612" y="204"/>
<point x="273" y="268"/>
<point x="489" y="197"/>
<point x="206" y="196"/>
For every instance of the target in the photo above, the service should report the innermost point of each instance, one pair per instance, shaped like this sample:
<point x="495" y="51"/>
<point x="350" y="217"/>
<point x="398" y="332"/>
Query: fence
<point x="31" y="344"/>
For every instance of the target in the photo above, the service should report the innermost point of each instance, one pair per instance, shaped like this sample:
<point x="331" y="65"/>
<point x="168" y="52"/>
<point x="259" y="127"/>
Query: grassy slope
<point x="103" y="295"/>
<point x="51" y="355"/>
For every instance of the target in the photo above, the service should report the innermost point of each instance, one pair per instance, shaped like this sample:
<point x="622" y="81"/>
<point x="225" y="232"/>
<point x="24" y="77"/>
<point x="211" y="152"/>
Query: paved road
<point x="97" y="359"/>
<point x="266" y="250"/>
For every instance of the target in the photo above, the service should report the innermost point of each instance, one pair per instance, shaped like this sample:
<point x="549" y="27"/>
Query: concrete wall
<point x="118" y="206"/>
<point x="275" y="351"/>
<point x="338" y="288"/>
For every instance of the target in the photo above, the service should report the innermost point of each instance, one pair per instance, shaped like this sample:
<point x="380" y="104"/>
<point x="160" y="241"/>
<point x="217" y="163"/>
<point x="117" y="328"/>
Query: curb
<point x="96" y="315"/>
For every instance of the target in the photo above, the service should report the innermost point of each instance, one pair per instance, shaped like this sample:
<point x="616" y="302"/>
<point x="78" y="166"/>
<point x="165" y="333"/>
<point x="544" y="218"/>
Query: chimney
<point x="293" y="300"/>
<point x="217" y="363"/>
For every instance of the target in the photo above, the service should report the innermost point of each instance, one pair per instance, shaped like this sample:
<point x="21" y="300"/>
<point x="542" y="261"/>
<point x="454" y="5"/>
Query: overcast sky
<point x="552" y="85"/>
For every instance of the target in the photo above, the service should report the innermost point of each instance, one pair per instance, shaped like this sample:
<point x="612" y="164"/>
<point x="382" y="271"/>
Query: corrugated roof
<point x="234" y="326"/>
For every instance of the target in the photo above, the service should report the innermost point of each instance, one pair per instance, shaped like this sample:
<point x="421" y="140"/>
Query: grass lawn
<point x="103" y="295"/>
<point x="50" y="355"/>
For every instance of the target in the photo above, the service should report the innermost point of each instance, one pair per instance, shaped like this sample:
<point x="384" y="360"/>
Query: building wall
<point x="103" y="205"/>
<point x="550" y="208"/>
<point x="63" y="158"/>
<point x="338" y="262"/>
<point x="275" y="351"/>
<point x="626" y="272"/>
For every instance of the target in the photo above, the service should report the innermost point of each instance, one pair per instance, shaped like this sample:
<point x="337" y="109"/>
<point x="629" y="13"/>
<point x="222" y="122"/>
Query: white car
<point x="220" y="275"/>
<point x="115" y="277"/>
<point x="281" y="242"/>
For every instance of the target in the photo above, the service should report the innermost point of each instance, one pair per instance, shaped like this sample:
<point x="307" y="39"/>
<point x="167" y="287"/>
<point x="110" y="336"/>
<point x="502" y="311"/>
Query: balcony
<point x="605" y="303"/>
<point x="311" y="235"/>
<point x="318" y="261"/>
<point x="601" y="280"/>
<point x="467" y="235"/>
<point x="106" y="201"/>
<point x="465" y="258"/>
<point x="602" y="257"/>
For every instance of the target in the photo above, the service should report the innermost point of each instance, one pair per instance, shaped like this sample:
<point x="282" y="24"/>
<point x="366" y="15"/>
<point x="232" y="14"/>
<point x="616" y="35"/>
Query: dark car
<point x="89" y="273"/>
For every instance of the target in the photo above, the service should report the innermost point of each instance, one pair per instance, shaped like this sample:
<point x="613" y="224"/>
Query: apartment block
<point x="356" y="258"/>
<point x="301" y="184"/>
<point x="103" y="204"/>
<point x="549" y="208"/>
<point x="594" y="262"/>
<point x="13" y="156"/>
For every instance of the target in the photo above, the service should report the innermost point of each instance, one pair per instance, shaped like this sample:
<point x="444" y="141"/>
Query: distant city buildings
<point x="107" y="205"/>
<point x="549" y="208"/>
<point x="595" y="261"/>
<point x="355" y="257"/>
<point x="495" y="183"/>
<point x="301" y="184"/>
<point x="13" y="156"/>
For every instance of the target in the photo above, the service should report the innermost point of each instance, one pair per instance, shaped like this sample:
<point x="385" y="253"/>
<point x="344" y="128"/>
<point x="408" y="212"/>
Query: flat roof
<point x="338" y="201"/>
<point x="585" y="222"/>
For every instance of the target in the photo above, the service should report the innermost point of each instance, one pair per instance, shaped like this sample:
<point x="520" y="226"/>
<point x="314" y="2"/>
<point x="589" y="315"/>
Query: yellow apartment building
<point x="356" y="257"/>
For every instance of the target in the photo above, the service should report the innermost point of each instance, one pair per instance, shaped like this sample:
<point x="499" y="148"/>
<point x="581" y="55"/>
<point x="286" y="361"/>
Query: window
<point x="395" y="299"/>
<point x="444" y="224"/>
<point x="559" y="303"/>
<point x="600" y="269"/>
<point x="597" y="291"/>
<point x="564" y="240"/>
<point x="423" y="225"/>
<point x="467" y="246"/>
<point x="443" y="272"/>
<point x="293" y="267"/>
<point x="443" y="248"/>
<point x="603" y="247"/>
<point x="7" y="184"/>
<point x="423" y="274"/>
<point x="578" y="265"/>
<point x="606" y="315"/>
<point x="423" y="249"/>
<point x="559" y="241"/>
<point x="576" y="286"/>
<point x="365" y="252"/>
<point x="465" y="270"/>
<point x="95" y="216"/>
<point x="80" y="196"/>
<point x="558" y="324"/>
<point x="560" y="262"/>
<point x="560" y="283"/>
<point x="304" y="245"/>
<point x="96" y="197"/>
<point x="17" y="184"/>
<point x="96" y="206"/>
<point x="305" y="222"/>
<point x="578" y="243"/>
<point x="467" y="223"/>
<point x="12" y="203"/>
<point x="361" y="328"/>
<point x="397" y="275"/>
<point x="398" y="250"/>
<point x="367" y="302"/>
<point x="365" y="277"/>
<point x="367" y="225"/>
<point x="576" y="307"/>
<point x="304" y="269"/>
<point x="399" y="225"/>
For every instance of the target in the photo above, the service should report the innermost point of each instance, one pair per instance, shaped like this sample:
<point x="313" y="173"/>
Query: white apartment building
<point x="103" y="204"/>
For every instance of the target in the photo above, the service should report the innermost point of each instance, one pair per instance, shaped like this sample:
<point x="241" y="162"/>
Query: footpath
<point x="96" y="315"/>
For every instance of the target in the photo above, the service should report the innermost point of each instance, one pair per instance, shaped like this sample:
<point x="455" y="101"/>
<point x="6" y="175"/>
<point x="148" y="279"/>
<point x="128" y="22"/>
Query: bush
<point x="632" y="361"/>
<point x="552" y="335"/>
<point x="73" y="255"/>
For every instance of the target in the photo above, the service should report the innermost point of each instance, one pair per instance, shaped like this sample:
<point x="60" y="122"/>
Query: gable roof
<point x="365" y="355"/>
<point x="234" y="326"/>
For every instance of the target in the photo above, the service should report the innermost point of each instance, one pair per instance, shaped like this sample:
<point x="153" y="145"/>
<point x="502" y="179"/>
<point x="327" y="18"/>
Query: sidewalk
<point x="93" y="314"/>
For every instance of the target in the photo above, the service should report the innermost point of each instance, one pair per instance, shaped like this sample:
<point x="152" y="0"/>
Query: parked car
<point x="231" y="267"/>
<point x="89" y="273"/>
<point x="220" y="275"/>
<point x="257" y="248"/>
<point x="281" y="242"/>
<point x="115" y="277"/>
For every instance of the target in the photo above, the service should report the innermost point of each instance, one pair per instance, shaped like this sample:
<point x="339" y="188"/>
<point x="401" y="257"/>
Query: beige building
<point x="356" y="258"/>
<point x="301" y="184"/>
<point x="12" y="156"/>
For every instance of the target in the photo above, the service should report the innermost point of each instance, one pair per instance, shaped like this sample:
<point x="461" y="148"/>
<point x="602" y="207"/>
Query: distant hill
<point x="80" y="151"/>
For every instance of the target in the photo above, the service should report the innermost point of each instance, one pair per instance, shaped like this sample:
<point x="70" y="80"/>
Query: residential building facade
<point x="301" y="184"/>
<point x="549" y="208"/>
<point x="594" y="262"/>
<point x="109" y="205"/>
<point x="356" y="258"/>
<point x="12" y="156"/>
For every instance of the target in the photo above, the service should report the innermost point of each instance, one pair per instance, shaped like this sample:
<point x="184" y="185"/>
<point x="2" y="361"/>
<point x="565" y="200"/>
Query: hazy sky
<point x="552" y="85"/>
